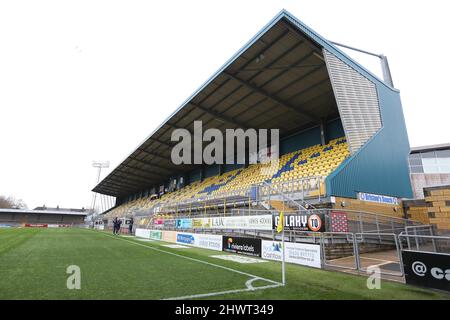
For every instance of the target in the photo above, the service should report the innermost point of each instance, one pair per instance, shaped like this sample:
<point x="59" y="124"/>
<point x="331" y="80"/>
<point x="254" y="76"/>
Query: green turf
<point x="33" y="265"/>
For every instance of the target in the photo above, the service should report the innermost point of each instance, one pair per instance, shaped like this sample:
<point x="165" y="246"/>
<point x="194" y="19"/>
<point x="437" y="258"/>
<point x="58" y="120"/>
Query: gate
<point x="381" y="250"/>
<point x="339" y="250"/>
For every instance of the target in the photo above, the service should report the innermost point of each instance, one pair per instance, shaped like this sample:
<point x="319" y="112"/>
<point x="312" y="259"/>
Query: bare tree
<point x="12" y="203"/>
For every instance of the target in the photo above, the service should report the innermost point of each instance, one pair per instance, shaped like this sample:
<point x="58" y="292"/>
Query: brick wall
<point x="438" y="206"/>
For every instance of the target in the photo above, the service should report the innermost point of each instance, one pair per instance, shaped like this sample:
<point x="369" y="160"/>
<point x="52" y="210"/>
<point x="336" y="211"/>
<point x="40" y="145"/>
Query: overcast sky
<point x="89" y="80"/>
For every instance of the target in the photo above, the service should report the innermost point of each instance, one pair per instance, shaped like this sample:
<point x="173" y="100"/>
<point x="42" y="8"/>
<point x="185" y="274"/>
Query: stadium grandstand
<point x="342" y="130"/>
<point x="336" y="194"/>
<point x="42" y="217"/>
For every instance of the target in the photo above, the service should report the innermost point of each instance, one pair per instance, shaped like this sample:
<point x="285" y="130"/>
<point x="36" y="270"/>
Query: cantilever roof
<point x="277" y="80"/>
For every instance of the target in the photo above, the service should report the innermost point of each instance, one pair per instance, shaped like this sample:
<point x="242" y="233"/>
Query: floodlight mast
<point x="99" y="165"/>
<point x="387" y="76"/>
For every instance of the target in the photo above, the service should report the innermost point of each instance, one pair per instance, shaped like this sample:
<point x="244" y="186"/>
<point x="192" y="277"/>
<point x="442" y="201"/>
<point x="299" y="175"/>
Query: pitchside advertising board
<point x="304" y="254"/>
<point x="259" y="222"/>
<point x="206" y="241"/>
<point x="142" y="233"/>
<point x="427" y="269"/>
<point x="242" y="245"/>
<point x="302" y="222"/>
<point x="169" y="236"/>
<point x="155" y="234"/>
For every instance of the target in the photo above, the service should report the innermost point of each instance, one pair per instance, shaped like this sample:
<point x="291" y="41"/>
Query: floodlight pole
<point x="387" y="76"/>
<point x="283" y="260"/>
<point x="99" y="165"/>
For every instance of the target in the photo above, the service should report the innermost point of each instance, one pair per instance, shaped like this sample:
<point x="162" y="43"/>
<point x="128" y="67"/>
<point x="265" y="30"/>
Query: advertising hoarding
<point x="299" y="253"/>
<point x="242" y="245"/>
<point x="313" y="222"/>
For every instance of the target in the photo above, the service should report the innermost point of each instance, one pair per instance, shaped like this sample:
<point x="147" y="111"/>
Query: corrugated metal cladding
<point x="357" y="101"/>
<point x="381" y="165"/>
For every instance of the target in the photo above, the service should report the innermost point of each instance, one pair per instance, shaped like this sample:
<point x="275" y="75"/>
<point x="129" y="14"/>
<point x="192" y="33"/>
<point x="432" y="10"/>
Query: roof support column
<point x="323" y="132"/>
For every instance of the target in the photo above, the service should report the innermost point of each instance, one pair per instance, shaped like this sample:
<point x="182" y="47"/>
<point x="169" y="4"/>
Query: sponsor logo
<point x="298" y="253"/>
<point x="155" y="235"/>
<point x="217" y="222"/>
<point x="184" y="223"/>
<point x="213" y="242"/>
<point x="229" y="242"/>
<point x="301" y="222"/>
<point x="276" y="247"/>
<point x="263" y="222"/>
<point x="185" y="238"/>
<point x="420" y="269"/>
<point x="170" y="223"/>
<point x="201" y="223"/>
<point x="377" y="198"/>
<point x="271" y="250"/>
<point x="249" y="246"/>
<point x="427" y="269"/>
<point x="314" y="223"/>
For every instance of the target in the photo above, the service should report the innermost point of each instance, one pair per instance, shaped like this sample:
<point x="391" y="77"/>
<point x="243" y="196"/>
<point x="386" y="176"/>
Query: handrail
<point x="237" y="192"/>
<point x="402" y="234"/>
<point x="284" y="196"/>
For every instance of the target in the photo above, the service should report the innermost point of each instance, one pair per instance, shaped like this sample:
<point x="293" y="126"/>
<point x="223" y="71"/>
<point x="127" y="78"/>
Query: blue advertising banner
<point x="185" y="238"/>
<point x="377" y="198"/>
<point x="184" y="224"/>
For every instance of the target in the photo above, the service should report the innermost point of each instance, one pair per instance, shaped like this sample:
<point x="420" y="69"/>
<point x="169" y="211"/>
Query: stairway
<point x="280" y="206"/>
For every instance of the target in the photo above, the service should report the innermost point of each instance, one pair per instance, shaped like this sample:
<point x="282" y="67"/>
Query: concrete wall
<point x="422" y="180"/>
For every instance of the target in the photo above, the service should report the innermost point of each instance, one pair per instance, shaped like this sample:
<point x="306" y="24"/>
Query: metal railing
<point x="273" y="190"/>
<point x="424" y="243"/>
<point x="347" y="259"/>
<point x="297" y="189"/>
<point x="379" y="247"/>
<point x="302" y="188"/>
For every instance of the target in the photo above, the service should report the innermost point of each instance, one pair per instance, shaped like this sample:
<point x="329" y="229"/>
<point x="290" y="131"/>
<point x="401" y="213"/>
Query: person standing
<point x="115" y="226"/>
<point x="119" y="223"/>
<point x="130" y="226"/>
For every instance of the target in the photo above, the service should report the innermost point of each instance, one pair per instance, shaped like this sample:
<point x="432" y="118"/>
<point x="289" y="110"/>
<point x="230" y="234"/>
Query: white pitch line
<point x="275" y="283"/>
<point x="248" y="284"/>
<point x="383" y="263"/>
<point x="375" y="259"/>
<point x="204" y="295"/>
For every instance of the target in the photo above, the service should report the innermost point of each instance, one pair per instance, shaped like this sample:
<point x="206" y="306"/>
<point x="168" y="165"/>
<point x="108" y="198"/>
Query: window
<point x="430" y="165"/>
<point x="415" y="162"/>
<point x="443" y="154"/>
<point x="430" y="154"/>
<point x="430" y="162"/>
<point x="416" y="169"/>
<point x="444" y="168"/>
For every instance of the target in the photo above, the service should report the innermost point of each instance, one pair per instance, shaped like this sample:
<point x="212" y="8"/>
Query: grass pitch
<point x="33" y="264"/>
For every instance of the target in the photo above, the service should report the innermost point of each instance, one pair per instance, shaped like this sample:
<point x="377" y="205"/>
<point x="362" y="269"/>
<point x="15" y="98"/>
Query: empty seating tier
<point x="315" y="161"/>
